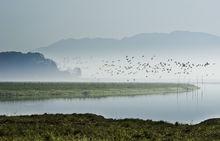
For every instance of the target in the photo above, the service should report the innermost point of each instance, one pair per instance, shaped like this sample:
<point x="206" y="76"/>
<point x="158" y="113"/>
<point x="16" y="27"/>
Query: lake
<point x="192" y="107"/>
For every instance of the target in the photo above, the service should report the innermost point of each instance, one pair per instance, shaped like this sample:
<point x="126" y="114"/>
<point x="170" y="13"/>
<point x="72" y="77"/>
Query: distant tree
<point x="85" y="93"/>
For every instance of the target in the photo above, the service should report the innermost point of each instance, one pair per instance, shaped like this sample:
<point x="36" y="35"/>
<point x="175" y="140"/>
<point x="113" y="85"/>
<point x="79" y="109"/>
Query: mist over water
<point x="94" y="69"/>
<point x="90" y="54"/>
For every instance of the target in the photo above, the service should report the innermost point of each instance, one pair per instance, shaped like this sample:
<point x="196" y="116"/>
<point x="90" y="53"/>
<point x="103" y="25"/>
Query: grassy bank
<point x="92" y="127"/>
<point x="32" y="91"/>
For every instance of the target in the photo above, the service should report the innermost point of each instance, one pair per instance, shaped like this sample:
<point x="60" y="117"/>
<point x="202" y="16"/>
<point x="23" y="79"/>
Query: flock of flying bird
<point x="131" y="66"/>
<point x="144" y="66"/>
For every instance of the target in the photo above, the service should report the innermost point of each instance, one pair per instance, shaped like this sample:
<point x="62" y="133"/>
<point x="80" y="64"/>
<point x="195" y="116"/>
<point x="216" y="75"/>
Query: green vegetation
<point x="32" y="91"/>
<point x="85" y="127"/>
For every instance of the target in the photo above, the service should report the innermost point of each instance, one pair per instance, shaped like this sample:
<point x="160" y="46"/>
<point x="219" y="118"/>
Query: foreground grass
<point x="92" y="127"/>
<point x="31" y="91"/>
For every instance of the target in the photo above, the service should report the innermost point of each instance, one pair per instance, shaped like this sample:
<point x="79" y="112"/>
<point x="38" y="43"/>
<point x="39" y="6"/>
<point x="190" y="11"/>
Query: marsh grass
<point x="87" y="127"/>
<point x="37" y="91"/>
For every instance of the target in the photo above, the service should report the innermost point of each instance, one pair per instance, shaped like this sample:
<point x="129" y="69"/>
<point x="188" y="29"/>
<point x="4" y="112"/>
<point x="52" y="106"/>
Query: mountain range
<point x="168" y="43"/>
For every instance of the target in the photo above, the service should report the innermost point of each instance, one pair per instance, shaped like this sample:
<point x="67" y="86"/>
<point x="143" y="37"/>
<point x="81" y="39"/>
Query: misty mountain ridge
<point x="17" y="66"/>
<point x="174" y="38"/>
<point x="146" y="42"/>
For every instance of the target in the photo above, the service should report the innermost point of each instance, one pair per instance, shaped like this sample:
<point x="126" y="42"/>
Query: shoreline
<point x="96" y="127"/>
<point x="39" y="91"/>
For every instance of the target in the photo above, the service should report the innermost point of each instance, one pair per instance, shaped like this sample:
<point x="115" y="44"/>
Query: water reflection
<point x="189" y="107"/>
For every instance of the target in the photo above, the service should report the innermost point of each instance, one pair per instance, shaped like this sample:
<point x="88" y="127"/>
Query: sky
<point x="29" y="24"/>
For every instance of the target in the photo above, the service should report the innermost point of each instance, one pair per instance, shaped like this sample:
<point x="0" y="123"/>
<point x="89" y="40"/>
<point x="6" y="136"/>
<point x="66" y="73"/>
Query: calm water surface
<point x="192" y="107"/>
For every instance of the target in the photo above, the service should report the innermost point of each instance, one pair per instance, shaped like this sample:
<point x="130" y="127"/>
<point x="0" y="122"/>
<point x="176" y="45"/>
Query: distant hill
<point x="173" y="42"/>
<point x="17" y="66"/>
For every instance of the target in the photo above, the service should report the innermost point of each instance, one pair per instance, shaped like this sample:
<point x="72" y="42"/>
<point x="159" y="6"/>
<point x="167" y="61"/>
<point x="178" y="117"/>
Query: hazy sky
<point x="28" y="24"/>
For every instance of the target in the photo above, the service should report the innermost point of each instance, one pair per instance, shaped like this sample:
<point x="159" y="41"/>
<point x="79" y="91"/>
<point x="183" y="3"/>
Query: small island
<point x="37" y="91"/>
